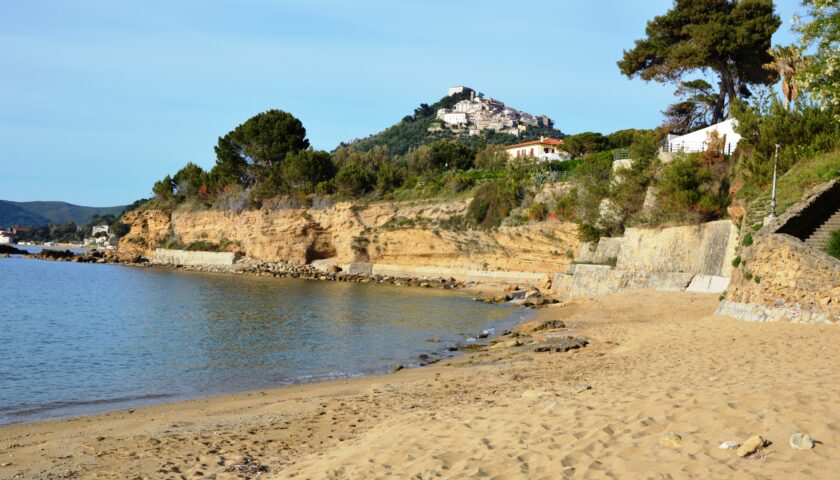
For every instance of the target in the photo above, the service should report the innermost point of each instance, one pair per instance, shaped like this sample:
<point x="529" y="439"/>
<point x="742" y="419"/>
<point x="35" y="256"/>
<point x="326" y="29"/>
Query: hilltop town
<point x="478" y="113"/>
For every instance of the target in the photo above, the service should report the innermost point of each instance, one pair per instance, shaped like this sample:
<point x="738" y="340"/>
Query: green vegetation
<point x="736" y="261"/>
<point x="730" y="38"/>
<point x="748" y="240"/>
<point x="494" y="201"/>
<point x="833" y="247"/>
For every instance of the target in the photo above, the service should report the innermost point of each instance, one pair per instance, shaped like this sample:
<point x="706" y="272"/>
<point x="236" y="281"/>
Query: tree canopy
<point x="728" y="37"/>
<point x="821" y="77"/>
<point x="246" y="154"/>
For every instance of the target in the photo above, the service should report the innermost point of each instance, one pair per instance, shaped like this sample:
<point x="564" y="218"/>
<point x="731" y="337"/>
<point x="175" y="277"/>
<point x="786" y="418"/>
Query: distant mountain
<point x="35" y="214"/>
<point x="479" y="121"/>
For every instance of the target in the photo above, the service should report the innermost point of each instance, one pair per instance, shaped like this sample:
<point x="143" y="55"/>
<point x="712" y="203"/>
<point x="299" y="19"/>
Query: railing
<point x="692" y="147"/>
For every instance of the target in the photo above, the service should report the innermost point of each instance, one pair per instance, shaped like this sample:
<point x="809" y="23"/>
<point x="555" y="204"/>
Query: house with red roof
<point x="543" y="150"/>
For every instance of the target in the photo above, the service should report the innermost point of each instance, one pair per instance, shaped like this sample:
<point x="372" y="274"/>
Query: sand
<point x="658" y="363"/>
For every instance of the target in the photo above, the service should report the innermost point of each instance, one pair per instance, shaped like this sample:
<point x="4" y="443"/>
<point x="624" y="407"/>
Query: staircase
<point x="819" y="239"/>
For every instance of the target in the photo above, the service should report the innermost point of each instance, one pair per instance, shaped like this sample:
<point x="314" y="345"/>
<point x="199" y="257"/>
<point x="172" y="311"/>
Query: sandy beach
<point x="658" y="363"/>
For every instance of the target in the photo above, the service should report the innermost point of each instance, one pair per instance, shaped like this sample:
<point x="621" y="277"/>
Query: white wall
<point x="696" y="140"/>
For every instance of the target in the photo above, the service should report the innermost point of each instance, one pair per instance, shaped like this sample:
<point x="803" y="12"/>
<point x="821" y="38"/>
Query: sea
<point x="79" y="338"/>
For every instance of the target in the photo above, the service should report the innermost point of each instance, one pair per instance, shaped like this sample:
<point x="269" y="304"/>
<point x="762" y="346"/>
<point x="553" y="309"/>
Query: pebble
<point x="582" y="388"/>
<point x="801" y="441"/>
<point x="729" y="445"/>
<point x="752" y="445"/>
<point x="670" y="439"/>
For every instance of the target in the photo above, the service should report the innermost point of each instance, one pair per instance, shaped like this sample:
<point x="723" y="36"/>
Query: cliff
<point x="394" y="233"/>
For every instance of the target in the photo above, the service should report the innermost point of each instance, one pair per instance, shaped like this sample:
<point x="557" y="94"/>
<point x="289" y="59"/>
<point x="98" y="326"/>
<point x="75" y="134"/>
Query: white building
<point x="5" y="239"/>
<point x="99" y="229"/>
<point x="544" y="150"/>
<point x="455" y="118"/>
<point x="456" y="90"/>
<point x="698" y="140"/>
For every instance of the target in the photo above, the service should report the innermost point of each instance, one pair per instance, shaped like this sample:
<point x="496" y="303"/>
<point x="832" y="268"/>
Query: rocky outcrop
<point x="402" y="234"/>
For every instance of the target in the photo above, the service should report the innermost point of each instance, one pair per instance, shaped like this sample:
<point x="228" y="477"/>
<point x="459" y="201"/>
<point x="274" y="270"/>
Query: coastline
<point x="658" y="362"/>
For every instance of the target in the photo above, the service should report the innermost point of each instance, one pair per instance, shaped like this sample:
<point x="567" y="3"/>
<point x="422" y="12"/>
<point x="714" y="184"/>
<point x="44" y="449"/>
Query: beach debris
<point x="433" y="340"/>
<point x="670" y="439"/>
<point x="729" y="445"/>
<point x="248" y="466"/>
<point x="751" y="446"/>
<point x="801" y="441"/>
<point x="396" y="368"/>
<point x="582" y="388"/>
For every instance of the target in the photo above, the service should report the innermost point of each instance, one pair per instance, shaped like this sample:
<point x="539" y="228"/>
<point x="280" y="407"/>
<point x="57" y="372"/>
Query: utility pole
<point x="773" y="195"/>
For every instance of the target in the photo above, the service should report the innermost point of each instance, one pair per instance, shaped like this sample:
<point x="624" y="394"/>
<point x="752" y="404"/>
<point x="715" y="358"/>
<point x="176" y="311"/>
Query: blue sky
<point x="98" y="99"/>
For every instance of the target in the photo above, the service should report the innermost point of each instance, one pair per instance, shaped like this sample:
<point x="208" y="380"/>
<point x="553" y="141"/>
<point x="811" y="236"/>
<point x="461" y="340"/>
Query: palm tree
<point x="786" y="62"/>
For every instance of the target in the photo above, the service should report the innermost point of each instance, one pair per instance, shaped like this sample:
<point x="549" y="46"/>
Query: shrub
<point x="493" y="202"/>
<point x="736" y="261"/>
<point x="833" y="247"/>
<point x="748" y="240"/>
<point x="537" y="211"/>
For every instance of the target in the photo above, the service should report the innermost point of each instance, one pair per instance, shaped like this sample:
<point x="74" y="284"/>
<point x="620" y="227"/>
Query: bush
<point x="833" y="247"/>
<point x="736" y="261"/>
<point x="537" y="211"/>
<point x="493" y="202"/>
<point x="748" y="240"/>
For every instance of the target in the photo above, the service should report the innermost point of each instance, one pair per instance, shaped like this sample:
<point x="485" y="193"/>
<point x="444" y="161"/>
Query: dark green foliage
<point x="625" y="138"/>
<point x="493" y="202"/>
<point x="736" y="261"/>
<point x="352" y="181"/>
<point x="690" y="192"/>
<point x="164" y="189"/>
<point x="587" y="142"/>
<point x="188" y="182"/>
<point x="802" y="131"/>
<point x="694" y="110"/>
<point x="833" y="247"/>
<point x="306" y="168"/>
<point x="748" y="240"/>
<point x="448" y="155"/>
<point x="246" y="154"/>
<point x="730" y="38"/>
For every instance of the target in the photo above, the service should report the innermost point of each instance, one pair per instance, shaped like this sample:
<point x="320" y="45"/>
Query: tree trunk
<point x="727" y="89"/>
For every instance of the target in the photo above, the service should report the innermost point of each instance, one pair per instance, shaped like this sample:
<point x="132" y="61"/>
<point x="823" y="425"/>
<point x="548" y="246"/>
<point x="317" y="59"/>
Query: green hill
<point x="43" y="213"/>
<point x="413" y="131"/>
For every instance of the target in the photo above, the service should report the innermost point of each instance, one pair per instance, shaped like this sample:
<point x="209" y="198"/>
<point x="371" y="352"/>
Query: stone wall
<point x="164" y="256"/>
<point x="592" y="280"/>
<point x="706" y="249"/>
<point x="692" y="257"/>
<point x="782" y="279"/>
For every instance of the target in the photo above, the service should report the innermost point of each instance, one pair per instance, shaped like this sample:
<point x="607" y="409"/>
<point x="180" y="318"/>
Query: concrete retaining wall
<point x="706" y="249"/>
<point x="165" y="256"/>
<point x="592" y="280"/>
<point x="465" y="275"/>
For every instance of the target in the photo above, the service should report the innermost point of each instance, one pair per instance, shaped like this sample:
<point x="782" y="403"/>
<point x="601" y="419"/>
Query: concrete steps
<point x="819" y="239"/>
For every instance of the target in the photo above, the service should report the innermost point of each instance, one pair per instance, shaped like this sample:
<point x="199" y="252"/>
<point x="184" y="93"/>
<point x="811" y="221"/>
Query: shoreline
<point x="657" y="363"/>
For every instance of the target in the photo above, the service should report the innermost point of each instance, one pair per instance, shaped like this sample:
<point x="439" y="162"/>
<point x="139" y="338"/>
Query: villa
<point x="544" y="150"/>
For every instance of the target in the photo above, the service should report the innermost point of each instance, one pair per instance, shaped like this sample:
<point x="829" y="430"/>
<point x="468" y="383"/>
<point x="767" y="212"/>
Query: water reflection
<point x="77" y="336"/>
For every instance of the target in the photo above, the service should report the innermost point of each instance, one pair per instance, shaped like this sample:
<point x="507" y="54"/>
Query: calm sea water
<point x="85" y="338"/>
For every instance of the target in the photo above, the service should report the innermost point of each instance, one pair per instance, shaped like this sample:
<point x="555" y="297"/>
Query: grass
<point x="804" y="176"/>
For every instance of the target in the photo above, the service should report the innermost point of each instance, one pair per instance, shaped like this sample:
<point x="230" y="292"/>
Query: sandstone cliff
<point x="396" y="233"/>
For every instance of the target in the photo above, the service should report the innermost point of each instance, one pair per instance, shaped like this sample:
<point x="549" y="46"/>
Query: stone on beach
<point x="801" y="441"/>
<point x="670" y="439"/>
<point x="751" y="446"/>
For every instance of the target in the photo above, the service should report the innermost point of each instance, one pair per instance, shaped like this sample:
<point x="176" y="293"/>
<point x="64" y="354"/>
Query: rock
<point x="670" y="439"/>
<point x="507" y="344"/>
<point x="518" y="302"/>
<point x="515" y="295"/>
<point x="801" y="441"/>
<point x="396" y="368"/>
<point x="532" y="293"/>
<point x="729" y="445"/>
<point x="582" y="388"/>
<point x="511" y="288"/>
<point x="752" y="445"/>
<point x="560" y="344"/>
<point x="549" y="325"/>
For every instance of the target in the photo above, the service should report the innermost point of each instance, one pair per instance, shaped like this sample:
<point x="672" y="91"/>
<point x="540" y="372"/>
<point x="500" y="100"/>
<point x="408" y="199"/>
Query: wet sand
<point x="658" y="362"/>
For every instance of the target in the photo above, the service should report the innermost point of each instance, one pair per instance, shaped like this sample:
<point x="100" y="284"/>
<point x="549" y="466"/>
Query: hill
<point x="491" y="123"/>
<point x="43" y="213"/>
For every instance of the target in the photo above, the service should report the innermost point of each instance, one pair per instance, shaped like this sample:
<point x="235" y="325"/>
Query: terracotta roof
<point x="545" y="141"/>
